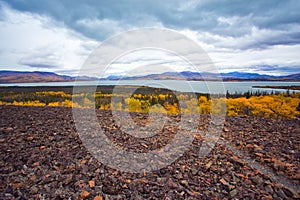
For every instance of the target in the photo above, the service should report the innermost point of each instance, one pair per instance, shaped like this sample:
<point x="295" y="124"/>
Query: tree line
<point x="285" y="105"/>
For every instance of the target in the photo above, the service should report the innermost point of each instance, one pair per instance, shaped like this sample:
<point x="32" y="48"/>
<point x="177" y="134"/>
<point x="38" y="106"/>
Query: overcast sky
<point x="58" y="35"/>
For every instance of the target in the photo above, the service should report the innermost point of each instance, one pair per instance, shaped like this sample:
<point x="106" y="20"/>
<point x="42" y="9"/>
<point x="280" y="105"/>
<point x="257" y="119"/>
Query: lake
<point x="212" y="87"/>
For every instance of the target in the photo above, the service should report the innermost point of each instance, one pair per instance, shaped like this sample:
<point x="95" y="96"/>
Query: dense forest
<point x="285" y="105"/>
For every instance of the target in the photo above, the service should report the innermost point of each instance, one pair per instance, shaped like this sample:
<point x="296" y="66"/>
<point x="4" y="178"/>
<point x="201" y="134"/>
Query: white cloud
<point x="234" y="54"/>
<point x="236" y="40"/>
<point x="147" y="61"/>
<point x="105" y="26"/>
<point x="30" y="40"/>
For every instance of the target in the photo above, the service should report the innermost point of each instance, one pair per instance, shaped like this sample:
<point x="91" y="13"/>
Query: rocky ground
<point x="42" y="157"/>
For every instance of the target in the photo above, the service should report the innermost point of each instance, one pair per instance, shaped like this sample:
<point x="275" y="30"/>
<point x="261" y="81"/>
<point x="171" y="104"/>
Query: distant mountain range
<point x="36" y="77"/>
<point x="30" y="77"/>
<point x="196" y="76"/>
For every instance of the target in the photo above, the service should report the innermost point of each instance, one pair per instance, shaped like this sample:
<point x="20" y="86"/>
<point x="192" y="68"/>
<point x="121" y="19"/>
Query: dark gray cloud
<point x="39" y="65"/>
<point x="276" y="68"/>
<point x="100" y="19"/>
<point x="59" y="34"/>
<point x="69" y="72"/>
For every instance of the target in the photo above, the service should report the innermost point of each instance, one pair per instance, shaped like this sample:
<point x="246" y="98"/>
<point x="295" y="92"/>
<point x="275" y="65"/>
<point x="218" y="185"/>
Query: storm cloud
<point x="227" y="30"/>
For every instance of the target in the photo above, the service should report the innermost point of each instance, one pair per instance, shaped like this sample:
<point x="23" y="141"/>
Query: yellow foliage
<point x="54" y="93"/>
<point x="190" y="106"/>
<point x="171" y="109"/>
<point x="5" y="103"/>
<point x="157" y="108"/>
<point x="275" y="106"/>
<point x="238" y="106"/>
<point x="65" y="103"/>
<point x="87" y="103"/>
<point x="265" y="106"/>
<point x="205" y="106"/>
<point x="217" y="106"/>
<point x="54" y="104"/>
<point x="181" y="97"/>
<point x="105" y="107"/>
<point x="28" y="103"/>
<point x="115" y="106"/>
<point x="162" y="97"/>
<point x="134" y="105"/>
<point x="99" y="94"/>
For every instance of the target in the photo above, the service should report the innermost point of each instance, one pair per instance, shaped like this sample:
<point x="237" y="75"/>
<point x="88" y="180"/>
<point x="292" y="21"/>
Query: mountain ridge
<point x="208" y="76"/>
<point x="7" y="76"/>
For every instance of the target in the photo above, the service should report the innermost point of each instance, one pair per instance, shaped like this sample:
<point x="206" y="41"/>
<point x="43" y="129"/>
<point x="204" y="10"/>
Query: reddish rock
<point x="84" y="195"/>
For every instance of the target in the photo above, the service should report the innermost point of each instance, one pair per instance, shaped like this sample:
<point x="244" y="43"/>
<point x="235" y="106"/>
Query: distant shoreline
<point x="144" y="79"/>
<point x="292" y="87"/>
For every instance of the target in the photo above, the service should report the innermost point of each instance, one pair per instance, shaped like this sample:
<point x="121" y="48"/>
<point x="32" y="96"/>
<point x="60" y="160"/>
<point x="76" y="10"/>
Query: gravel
<point x="42" y="157"/>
